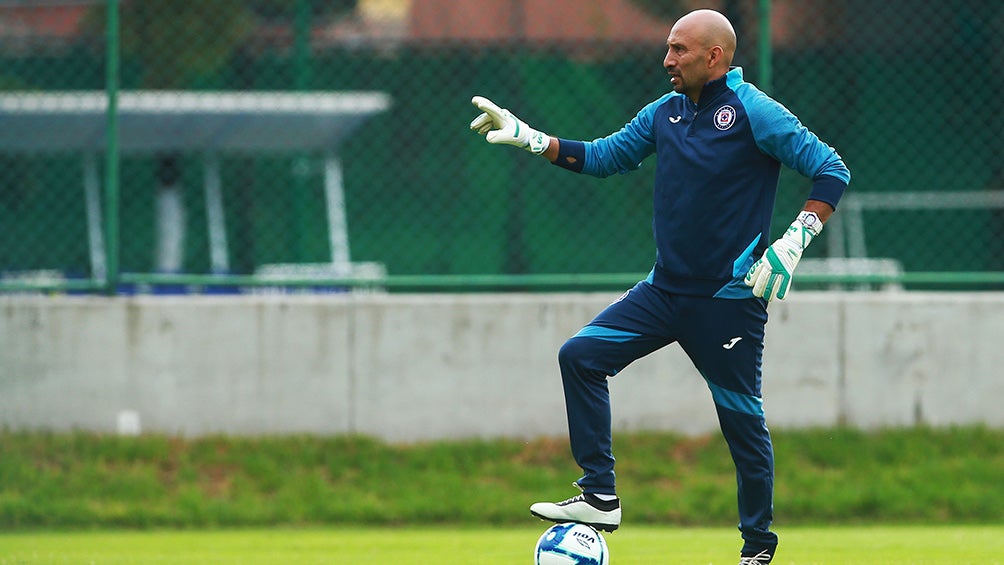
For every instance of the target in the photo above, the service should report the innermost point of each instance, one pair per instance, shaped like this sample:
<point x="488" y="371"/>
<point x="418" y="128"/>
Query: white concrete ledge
<point x="417" y="367"/>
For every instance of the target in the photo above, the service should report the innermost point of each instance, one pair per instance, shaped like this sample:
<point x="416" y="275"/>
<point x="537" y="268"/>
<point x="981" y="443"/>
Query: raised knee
<point x="574" y="353"/>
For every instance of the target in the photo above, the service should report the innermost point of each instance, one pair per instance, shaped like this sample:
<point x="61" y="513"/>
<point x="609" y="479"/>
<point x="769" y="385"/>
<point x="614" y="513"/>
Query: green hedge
<point x="834" y="476"/>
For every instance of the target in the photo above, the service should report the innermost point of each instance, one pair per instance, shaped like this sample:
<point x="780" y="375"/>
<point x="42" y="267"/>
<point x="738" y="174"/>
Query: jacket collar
<point x="713" y="89"/>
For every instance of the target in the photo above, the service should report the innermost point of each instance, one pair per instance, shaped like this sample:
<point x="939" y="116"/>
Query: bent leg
<point x="626" y="330"/>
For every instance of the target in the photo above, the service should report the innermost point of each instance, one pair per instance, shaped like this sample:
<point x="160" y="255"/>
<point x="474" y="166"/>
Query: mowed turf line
<point x="634" y="545"/>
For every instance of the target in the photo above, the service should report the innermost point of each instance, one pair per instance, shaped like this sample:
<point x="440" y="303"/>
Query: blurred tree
<point x="179" y="41"/>
<point x="287" y="9"/>
<point x="662" y="9"/>
<point x="179" y="44"/>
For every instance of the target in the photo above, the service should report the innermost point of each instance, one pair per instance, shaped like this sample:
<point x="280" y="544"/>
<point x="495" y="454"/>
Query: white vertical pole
<point x="215" y="217"/>
<point x="854" y="216"/>
<point x="835" y="239"/>
<point x="170" y="229"/>
<point x="92" y="201"/>
<point x="338" y="229"/>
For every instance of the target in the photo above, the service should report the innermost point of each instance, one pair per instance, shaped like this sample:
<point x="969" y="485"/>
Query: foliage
<point x="181" y="40"/>
<point x="832" y="476"/>
<point x="661" y="9"/>
<point x="287" y="9"/>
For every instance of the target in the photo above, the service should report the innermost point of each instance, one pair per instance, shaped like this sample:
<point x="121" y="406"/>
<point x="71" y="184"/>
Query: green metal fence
<point x="184" y="145"/>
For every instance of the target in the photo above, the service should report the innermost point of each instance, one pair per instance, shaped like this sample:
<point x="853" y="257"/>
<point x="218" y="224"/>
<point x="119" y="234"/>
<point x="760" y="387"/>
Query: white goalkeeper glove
<point x="498" y="125"/>
<point x="770" y="276"/>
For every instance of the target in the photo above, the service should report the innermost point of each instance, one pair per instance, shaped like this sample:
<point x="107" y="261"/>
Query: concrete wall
<point x="414" y="367"/>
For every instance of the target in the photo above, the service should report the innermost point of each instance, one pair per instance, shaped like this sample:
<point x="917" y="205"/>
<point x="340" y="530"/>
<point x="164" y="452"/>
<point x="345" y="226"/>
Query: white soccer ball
<point x="571" y="544"/>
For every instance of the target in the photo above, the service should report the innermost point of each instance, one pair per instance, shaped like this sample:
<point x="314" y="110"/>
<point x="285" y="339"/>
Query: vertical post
<point x="301" y="45"/>
<point x="765" y="52"/>
<point x="219" y="259"/>
<point x="112" y="148"/>
<point x="338" y="226"/>
<point x="301" y="163"/>
<point x="92" y="200"/>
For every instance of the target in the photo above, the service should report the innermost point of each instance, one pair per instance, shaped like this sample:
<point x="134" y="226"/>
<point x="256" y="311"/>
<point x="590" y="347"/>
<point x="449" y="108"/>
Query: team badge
<point x="725" y="117"/>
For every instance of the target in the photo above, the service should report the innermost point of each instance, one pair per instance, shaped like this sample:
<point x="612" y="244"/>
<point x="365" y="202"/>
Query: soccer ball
<point x="571" y="544"/>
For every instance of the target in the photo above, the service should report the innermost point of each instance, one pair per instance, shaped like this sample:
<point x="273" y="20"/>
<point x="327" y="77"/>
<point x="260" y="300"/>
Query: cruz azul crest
<point x="725" y="117"/>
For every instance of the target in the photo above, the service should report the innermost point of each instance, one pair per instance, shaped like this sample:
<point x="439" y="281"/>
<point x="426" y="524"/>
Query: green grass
<point x="916" y="476"/>
<point x="906" y="497"/>
<point x="913" y="545"/>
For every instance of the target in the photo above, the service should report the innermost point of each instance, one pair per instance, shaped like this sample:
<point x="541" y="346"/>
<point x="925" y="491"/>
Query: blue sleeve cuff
<point x="827" y="189"/>
<point x="571" y="155"/>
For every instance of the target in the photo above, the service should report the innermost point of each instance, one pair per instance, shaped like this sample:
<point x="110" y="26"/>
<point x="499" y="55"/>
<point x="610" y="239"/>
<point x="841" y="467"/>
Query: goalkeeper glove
<point x="770" y="277"/>
<point x="498" y="125"/>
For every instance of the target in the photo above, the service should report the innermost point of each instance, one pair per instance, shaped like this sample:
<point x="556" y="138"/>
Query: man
<point x="719" y="144"/>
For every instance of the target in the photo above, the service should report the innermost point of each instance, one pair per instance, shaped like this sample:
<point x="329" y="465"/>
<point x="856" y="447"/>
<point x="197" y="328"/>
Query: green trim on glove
<point x="499" y="125"/>
<point x="771" y="275"/>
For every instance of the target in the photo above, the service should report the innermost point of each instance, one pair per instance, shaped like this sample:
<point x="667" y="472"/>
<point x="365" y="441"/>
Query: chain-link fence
<point x="323" y="142"/>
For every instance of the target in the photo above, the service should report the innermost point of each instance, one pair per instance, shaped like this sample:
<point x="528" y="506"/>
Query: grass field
<point x="633" y="545"/>
<point x="80" y="481"/>
<point x="85" y="498"/>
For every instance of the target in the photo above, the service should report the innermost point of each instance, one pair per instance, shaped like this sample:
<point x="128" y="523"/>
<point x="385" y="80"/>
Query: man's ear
<point x="715" y="55"/>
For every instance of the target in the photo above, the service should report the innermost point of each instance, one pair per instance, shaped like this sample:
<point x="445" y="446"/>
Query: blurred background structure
<point x="183" y="144"/>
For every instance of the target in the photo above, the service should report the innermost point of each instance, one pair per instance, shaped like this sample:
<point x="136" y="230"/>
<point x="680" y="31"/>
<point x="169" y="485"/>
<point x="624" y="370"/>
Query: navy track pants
<point x="723" y="338"/>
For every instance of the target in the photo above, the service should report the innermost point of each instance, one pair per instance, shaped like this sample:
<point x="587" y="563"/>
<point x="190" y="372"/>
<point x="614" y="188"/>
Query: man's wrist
<point x="537" y="142"/>
<point x="568" y="154"/>
<point x="802" y="231"/>
<point x="811" y="222"/>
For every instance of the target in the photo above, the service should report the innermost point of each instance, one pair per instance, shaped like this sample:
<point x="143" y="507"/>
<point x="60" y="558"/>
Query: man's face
<point x="686" y="62"/>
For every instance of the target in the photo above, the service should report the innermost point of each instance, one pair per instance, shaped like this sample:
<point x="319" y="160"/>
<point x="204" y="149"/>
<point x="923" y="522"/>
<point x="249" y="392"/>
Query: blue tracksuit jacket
<point x="716" y="178"/>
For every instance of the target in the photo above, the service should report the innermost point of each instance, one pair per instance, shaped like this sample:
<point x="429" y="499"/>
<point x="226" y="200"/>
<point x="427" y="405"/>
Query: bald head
<point x="700" y="49"/>
<point x="710" y="29"/>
